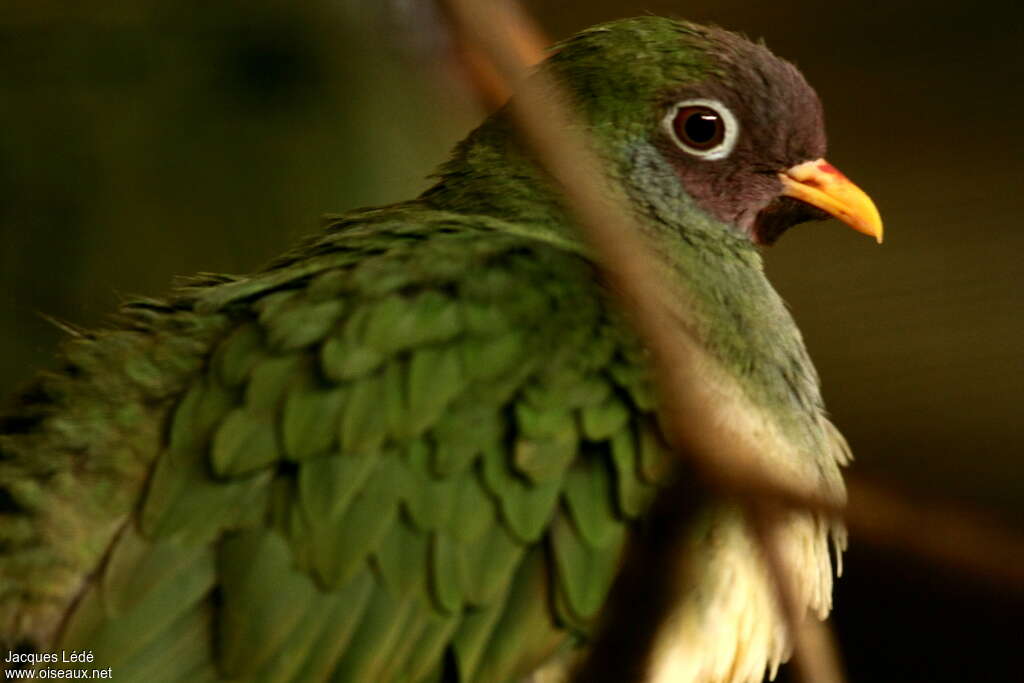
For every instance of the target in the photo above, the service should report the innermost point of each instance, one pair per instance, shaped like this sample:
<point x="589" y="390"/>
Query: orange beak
<point x="821" y="184"/>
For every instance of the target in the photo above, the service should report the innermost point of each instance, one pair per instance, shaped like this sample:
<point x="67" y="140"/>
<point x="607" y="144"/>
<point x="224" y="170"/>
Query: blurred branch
<point x="817" y="658"/>
<point x="934" y="530"/>
<point x="727" y="457"/>
<point x="947" y="534"/>
<point x="527" y="45"/>
<point x="503" y="43"/>
<point x="506" y="37"/>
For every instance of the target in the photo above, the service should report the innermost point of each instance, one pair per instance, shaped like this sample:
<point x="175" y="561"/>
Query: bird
<point x="423" y="444"/>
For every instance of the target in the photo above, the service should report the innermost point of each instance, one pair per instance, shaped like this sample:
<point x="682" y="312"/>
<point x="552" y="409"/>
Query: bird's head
<point x="699" y="117"/>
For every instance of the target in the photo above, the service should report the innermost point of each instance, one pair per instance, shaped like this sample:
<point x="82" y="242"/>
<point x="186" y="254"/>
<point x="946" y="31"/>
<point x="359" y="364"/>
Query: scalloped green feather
<point x="494" y="283"/>
<point x="599" y="349"/>
<point x="402" y="558"/>
<point x="473" y="510"/>
<point x="633" y="494"/>
<point x="270" y="378"/>
<point x="244" y="443"/>
<point x="603" y="420"/>
<point x="544" y="459"/>
<point x="345" y="354"/>
<point x="654" y="458"/>
<point x="589" y="495"/>
<point x="312" y="411"/>
<point x="400" y="322"/>
<point x="138" y="568"/>
<point x="348" y="604"/>
<point x="327" y="485"/>
<point x="526" y="507"/>
<point x="537" y="423"/>
<point x="301" y="323"/>
<point x="284" y="664"/>
<point x="435" y="378"/>
<point x="634" y="377"/>
<point x="342" y="360"/>
<point x="276" y="302"/>
<point x="181" y="653"/>
<point x="485" y="358"/>
<point x="197" y="415"/>
<point x="465" y="429"/>
<point x="526" y="634"/>
<point x="339" y="546"/>
<point x="375" y="639"/>
<point x="582" y="390"/>
<point x="328" y="285"/>
<point x="363" y="423"/>
<point x="644" y="395"/>
<point x="160" y="586"/>
<point x="182" y="499"/>
<point x="445" y="585"/>
<point x="473" y="634"/>
<point x="437" y="319"/>
<point x="429" y="500"/>
<point x="485" y="566"/>
<point x="428" y="648"/>
<point x="565" y="390"/>
<point x="451" y="456"/>
<point x="395" y="401"/>
<point x="584" y="573"/>
<point x="264" y="598"/>
<point x="382" y="275"/>
<point x="387" y="324"/>
<point x="417" y="621"/>
<point x="485" y="320"/>
<point x="236" y="356"/>
<point x="566" y="615"/>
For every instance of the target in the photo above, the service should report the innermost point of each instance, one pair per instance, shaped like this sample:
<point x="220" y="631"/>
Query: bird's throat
<point x="781" y="215"/>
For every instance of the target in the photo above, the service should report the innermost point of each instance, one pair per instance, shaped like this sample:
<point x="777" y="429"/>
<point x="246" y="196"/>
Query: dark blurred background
<point x="144" y="140"/>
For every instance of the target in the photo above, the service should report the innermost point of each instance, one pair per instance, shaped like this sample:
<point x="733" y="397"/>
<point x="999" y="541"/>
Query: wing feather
<point x="408" y="444"/>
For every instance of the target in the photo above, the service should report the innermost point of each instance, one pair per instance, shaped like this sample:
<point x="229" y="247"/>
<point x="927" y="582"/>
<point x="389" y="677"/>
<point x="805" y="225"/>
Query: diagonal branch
<point x="816" y="658"/>
<point x="941" y="532"/>
<point x="504" y="43"/>
<point x="726" y="456"/>
<point x="689" y="403"/>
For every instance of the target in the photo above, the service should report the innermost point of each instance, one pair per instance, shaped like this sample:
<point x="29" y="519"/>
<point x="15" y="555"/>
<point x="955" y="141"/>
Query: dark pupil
<point x="699" y="127"/>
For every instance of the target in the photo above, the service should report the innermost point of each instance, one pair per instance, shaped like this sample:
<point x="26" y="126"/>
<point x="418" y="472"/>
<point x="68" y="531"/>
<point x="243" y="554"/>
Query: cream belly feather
<point x="728" y="628"/>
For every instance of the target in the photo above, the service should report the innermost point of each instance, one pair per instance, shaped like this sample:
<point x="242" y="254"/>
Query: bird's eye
<point x="703" y="128"/>
<point x="699" y="127"/>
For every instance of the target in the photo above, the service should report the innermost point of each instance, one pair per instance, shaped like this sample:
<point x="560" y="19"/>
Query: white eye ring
<point x="719" y="151"/>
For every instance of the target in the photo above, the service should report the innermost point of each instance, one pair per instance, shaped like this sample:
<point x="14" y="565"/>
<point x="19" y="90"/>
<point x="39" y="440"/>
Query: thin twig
<point x="812" y="639"/>
<point x="487" y="82"/>
<point x="690" y="402"/>
<point x="950" y="535"/>
<point x="942" y="533"/>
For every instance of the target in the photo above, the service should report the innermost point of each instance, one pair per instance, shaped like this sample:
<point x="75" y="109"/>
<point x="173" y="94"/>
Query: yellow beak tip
<point x="820" y="184"/>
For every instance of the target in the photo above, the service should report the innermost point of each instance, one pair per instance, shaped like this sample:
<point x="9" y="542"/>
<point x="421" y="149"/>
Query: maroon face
<point x="748" y="146"/>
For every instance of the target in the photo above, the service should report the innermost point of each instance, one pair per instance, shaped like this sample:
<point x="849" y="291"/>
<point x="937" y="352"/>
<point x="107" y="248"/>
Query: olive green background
<point x="147" y="140"/>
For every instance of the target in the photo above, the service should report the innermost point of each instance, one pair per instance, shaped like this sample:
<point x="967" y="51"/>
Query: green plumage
<point x="412" y="449"/>
<point x="290" y="481"/>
